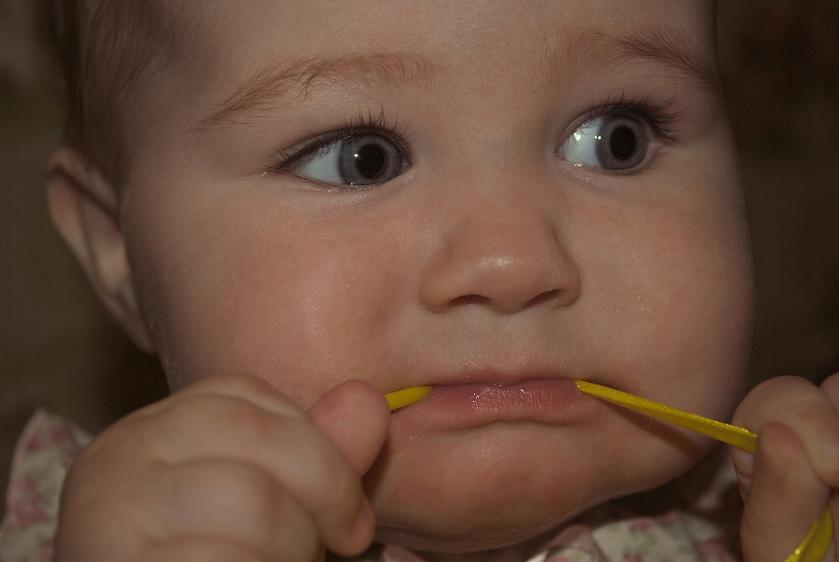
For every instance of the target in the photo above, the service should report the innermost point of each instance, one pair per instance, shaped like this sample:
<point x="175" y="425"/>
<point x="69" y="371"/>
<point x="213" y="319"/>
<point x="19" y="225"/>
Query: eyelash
<point x="661" y="118"/>
<point x="361" y="124"/>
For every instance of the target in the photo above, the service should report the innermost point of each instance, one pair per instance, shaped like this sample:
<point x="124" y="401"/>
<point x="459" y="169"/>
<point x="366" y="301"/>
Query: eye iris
<point x="623" y="143"/>
<point x="611" y="142"/>
<point x="368" y="159"/>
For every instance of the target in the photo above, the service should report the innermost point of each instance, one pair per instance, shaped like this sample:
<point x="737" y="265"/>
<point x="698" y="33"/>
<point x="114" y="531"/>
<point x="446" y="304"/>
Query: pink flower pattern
<point x="42" y="457"/>
<point x="608" y="533"/>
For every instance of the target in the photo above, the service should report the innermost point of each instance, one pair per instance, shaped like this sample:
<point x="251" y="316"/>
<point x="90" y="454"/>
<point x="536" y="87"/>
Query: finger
<point x="210" y="550"/>
<point x="249" y="388"/>
<point x="833" y="505"/>
<point x="785" y="498"/>
<point x="202" y="550"/>
<point x="229" y="501"/>
<point x="806" y="410"/>
<point x="744" y="463"/>
<point x="355" y="416"/>
<point x="830" y="386"/>
<point x="298" y="455"/>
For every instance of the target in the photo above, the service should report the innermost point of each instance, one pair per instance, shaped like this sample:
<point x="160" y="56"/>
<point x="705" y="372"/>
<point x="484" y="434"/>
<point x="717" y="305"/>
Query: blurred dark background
<point x="780" y="62"/>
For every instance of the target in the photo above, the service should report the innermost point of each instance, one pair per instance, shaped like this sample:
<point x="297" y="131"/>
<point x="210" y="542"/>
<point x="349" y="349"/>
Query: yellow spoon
<point x="405" y="397"/>
<point x="815" y="543"/>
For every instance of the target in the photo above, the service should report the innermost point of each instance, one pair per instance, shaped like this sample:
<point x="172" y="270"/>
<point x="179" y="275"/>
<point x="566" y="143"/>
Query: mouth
<point x="485" y="398"/>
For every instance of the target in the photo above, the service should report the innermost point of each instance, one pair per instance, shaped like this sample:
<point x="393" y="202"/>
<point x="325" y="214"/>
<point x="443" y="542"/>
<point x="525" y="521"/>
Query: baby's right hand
<point x="227" y="469"/>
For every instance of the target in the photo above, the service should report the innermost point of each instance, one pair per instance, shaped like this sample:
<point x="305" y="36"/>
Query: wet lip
<point x="473" y="404"/>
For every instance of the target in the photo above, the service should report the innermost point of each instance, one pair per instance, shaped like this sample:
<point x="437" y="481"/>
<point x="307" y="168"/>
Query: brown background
<point x="780" y="62"/>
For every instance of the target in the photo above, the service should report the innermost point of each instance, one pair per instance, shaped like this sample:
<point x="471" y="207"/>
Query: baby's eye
<point x="353" y="159"/>
<point x="610" y="142"/>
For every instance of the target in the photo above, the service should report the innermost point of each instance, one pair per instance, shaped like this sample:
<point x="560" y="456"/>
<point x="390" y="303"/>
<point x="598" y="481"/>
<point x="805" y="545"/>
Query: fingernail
<point x="830" y="451"/>
<point x="744" y="462"/>
<point x="745" y="489"/>
<point x="364" y="522"/>
<point x="772" y="455"/>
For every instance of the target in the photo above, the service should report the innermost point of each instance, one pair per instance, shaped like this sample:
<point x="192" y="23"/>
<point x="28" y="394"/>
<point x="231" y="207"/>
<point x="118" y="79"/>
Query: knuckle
<point x="262" y="498"/>
<point x="110" y="442"/>
<point x="788" y="386"/>
<point x="193" y="550"/>
<point x="209" y="477"/>
<point x="76" y="494"/>
<point x="830" y="386"/>
<point x="98" y="464"/>
<point x="814" y="422"/>
<point x="239" y="383"/>
<point x="790" y="395"/>
<point x="84" y="464"/>
<point x="205" y="422"/>
<point x="261" y="429"/>
<point x="253" y="390"/>
<point x="267" y="508"/>
<point x="213" y="408"/>
<point x="237" y="487"/>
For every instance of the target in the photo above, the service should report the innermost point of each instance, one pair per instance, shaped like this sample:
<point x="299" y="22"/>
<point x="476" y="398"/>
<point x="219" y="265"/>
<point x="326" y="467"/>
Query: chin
<point x="471" y="532"/>
<point x="504" y="487"/>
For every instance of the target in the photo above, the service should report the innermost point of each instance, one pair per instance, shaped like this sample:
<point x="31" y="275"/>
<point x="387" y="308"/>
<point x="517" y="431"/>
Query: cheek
<point x="246" y="288"/>
<point x="676" y="286"/>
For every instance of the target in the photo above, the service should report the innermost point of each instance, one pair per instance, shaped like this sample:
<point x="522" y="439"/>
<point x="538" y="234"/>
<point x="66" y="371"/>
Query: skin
<point x="264" y="293"/>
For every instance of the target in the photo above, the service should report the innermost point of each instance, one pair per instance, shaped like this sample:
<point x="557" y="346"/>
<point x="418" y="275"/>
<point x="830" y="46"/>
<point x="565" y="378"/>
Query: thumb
<point x="784" y="500"/>
<point x="355" y="417"/>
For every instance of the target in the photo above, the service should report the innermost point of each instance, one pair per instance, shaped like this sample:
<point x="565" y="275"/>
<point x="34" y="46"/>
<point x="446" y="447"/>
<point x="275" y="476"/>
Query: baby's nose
<point x="505" y="259"/>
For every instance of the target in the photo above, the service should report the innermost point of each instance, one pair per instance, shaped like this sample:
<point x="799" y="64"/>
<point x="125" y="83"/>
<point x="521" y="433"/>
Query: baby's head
<point x="425" y="193"/>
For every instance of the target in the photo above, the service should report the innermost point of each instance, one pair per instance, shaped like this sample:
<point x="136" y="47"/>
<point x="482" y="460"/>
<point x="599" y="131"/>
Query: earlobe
<point x="85" y="210"/>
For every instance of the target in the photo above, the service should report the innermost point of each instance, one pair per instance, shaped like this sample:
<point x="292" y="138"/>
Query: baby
<point x="301" y="206"/>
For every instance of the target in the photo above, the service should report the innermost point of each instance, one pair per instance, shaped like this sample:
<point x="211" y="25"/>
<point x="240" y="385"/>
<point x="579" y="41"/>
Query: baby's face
<point x="447" y="193"/>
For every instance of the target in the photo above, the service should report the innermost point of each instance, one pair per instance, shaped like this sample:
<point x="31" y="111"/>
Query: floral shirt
<point x="43" y="454"/>
<point x="634" y="529"/>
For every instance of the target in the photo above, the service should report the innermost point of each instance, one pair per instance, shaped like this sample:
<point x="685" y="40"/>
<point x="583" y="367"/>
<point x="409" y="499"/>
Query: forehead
<point x="249" y="59"/>
<point x="324" y="23"/>
<point x="241" y="37"/>
<point x="260" y="53"/>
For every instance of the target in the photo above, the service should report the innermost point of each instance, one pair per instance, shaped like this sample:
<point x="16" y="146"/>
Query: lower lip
<point x="461" y="406"/>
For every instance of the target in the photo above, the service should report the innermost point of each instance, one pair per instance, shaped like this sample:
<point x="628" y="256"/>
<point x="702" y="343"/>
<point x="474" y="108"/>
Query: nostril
<point x="482" y="300"/>
<point x="544" y="297"/>
<point x="469" y="299"/>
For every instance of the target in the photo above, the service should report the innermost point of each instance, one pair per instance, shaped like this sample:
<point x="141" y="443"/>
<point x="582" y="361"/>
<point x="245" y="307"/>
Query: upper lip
<point x="496" y="376"/>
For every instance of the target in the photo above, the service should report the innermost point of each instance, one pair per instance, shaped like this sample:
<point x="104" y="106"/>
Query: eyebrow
<point x="661" y="46"/>
<point x="266" y="89"/>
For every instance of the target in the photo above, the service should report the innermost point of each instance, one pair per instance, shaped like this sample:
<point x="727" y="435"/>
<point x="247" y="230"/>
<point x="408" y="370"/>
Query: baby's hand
<point x="227" y="469"/>
<point x="796" y="470"/>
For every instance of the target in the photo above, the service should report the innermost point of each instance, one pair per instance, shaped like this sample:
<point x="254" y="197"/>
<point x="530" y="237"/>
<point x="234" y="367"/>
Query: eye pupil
<point x="622" y="143"/>
<point x="369" y="161"/>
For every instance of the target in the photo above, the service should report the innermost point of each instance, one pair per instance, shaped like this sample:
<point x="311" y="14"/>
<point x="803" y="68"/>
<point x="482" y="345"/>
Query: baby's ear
<point x="85" y="209"/>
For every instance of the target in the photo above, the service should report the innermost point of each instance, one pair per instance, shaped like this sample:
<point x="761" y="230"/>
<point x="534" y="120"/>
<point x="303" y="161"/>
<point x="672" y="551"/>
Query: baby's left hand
<point x="796" y="470"/>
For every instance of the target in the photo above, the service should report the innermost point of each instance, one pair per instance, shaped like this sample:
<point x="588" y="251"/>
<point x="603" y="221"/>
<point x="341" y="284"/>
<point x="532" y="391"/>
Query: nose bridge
<point x="500" y="244"/>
